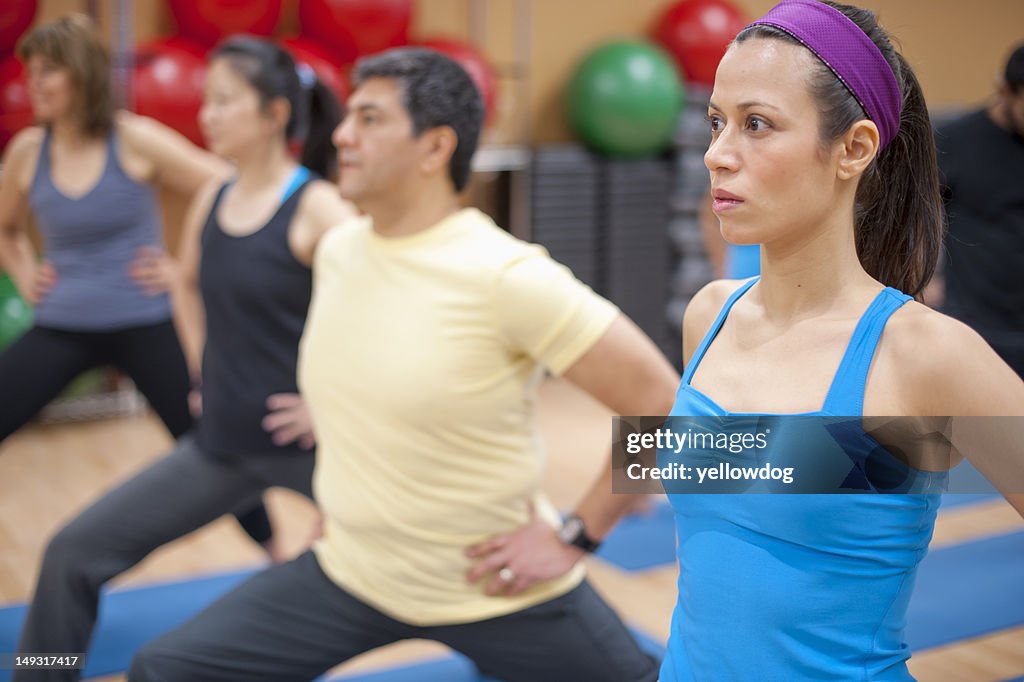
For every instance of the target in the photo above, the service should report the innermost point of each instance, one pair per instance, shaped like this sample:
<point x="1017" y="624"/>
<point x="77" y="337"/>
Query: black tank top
<point x="256" y="295"/>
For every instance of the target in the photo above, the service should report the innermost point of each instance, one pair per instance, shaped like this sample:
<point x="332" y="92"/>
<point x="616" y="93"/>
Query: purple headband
<point x="851" y="55"/>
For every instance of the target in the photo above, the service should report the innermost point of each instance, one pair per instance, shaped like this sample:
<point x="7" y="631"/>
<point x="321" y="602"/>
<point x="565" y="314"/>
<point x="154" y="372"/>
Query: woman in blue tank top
<point x="247" y="249"/>
<point x="821" y="152"/>
<point x="88" y="175"/>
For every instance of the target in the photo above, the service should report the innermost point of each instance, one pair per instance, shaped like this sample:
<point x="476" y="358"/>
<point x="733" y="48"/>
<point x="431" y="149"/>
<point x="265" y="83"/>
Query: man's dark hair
<point x="436" y="91"/>
<point x="1014" y="75"/>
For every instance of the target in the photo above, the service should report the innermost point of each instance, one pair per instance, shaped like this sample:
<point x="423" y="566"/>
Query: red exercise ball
<point x="208" y="21"/>
<point x="316" y="57"/>
<point x="474" y="63"/>
<point x="15" y="17"/>
<point x="190" y="46"/>
<point x="168" y="85"/>
<point x="15" y="106"/>
<point x="355" y="28"/>
<point x="697" y="33"/>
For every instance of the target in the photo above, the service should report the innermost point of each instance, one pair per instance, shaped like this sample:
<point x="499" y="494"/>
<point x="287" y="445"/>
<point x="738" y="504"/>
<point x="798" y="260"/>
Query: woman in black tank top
<point x="249" y="247"/>
<point x="246" y="281"/>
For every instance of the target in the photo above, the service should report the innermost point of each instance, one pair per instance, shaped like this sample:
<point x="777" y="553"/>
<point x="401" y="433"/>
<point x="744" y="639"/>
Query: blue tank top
<point x="796" y="587"/>
<point x="92" y="241"/>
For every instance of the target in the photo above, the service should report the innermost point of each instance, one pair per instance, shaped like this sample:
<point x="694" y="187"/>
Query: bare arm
<point x="174" y="162"/>
<point x="626" y="372"/>
<point x="983" y="387"/>
<point x="320" y="209"/>
<point x="17" y="255"/>
<point x="189" y="315"/>
<point x="949" y="370"/>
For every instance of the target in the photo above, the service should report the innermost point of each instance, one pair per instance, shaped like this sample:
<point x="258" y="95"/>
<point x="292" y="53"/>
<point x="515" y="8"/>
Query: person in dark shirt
<point x="981" y="164"/>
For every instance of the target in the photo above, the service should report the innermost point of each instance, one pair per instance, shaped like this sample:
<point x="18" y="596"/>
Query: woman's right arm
<point x="17" y="255"/>
<point x="947" y="369"/>
<point x="174" y="161"/>
<point x="189" y="315"/>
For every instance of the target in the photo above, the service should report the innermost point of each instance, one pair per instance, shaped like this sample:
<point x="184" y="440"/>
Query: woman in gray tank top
<point x="87" y="174"/>
<point x="247" y="279"/>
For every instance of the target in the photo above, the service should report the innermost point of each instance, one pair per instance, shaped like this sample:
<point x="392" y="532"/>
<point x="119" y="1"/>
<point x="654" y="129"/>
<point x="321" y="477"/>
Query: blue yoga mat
<point x="969" y="478"/>
<point x="951" y="500"/>
<point x="962" y="592"/>
<point x="129" y="618"/>
<point x="967" y="590"/>
<point x="642" y="541"/>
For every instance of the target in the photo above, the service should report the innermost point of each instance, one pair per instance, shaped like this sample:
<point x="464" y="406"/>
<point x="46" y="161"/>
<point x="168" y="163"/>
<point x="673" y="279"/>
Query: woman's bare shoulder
<point x="943" y="367"/>
<point x="702" y="310"/>
<point x="22" y="155"/>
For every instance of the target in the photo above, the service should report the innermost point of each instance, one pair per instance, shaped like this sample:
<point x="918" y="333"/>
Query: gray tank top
<point x="91" y="242"/>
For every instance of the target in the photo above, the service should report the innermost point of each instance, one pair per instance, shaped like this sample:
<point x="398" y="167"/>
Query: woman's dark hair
<point x="898" y="216"/>
<point x="73" y="44"/>
<point x="272" y="72"/>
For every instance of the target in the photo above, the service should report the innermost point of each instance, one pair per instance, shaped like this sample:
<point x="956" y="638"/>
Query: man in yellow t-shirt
<point x="429" y="331"/>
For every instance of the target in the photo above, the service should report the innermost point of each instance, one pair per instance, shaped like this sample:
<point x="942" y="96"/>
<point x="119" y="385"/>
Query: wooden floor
<point x="47" y="473"/>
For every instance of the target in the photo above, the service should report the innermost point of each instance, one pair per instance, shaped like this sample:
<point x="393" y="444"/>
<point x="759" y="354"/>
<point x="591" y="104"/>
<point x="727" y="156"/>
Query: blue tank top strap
<point x="299" y="177"/>
<point x="846" y="395"/>
<point x="691" y="366"/>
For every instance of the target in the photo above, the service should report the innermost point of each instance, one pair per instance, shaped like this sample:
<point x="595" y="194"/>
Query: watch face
<point x="571" y="529"/>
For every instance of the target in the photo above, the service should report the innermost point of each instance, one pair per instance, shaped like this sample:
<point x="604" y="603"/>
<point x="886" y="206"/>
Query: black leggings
<point x="37" y="367"/>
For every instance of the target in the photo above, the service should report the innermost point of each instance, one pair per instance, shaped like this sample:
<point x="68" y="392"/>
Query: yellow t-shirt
<point x="420" y="363"/>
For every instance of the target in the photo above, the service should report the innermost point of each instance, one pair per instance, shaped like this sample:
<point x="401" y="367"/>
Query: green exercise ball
<point x="625" y="99"/>
<point x="15" y="313"/>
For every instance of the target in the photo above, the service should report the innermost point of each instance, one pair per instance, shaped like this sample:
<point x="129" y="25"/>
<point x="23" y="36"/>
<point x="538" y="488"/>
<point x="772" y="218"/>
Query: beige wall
<point x="956" y="46"/>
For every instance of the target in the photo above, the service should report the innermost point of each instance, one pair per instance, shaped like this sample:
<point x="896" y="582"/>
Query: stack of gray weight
<point x="692" y="270"/>
<point x="637" y="251"/>
<point x="608" y="221"/>
<point x="564" y="209"/>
